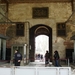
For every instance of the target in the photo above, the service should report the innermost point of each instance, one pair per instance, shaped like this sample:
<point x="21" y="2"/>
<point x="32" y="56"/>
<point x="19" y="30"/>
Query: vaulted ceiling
<point x="7" y="2"/>
<point x="33" y="1"/>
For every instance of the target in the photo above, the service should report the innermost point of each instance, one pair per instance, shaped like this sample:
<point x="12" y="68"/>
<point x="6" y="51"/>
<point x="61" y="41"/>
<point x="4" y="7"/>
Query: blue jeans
<point x="57" y="63"/>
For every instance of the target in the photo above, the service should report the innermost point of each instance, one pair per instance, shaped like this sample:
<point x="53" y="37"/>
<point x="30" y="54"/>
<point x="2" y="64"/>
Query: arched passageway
<point x="35" y="31"/>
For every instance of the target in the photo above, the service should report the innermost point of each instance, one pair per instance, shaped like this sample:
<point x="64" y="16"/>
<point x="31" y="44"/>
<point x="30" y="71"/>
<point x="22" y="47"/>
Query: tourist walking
<point x="17" y="58"/>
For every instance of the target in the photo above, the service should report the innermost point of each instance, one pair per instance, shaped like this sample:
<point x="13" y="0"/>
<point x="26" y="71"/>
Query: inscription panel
<point x="40" y="12"/>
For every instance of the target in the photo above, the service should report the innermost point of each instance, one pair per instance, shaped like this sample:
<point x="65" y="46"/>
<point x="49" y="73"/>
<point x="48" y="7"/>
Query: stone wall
<point x="3" y="12"/>
<point x="58" y="12"/>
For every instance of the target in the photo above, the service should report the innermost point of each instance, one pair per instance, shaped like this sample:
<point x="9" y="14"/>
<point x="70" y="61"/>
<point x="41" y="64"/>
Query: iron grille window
<point x="19" y="29"/>
<point x="61" y="29"/>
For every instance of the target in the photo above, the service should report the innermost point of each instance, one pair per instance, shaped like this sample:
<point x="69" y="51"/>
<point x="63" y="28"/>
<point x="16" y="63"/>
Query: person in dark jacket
<point x="46" y="58"/>
<point x="17" y="58"/>
<point x="56" y="58"/>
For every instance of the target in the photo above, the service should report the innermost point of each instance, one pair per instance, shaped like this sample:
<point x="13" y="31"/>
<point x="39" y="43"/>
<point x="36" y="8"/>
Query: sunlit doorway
<point x="35" y="31"/>
<point x="41" y="46"/>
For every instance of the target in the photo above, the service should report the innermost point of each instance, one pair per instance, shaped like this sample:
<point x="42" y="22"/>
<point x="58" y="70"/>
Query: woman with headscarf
<point x="56" y="58"/>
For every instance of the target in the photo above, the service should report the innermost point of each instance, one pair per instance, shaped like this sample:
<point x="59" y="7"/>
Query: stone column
<point x="25" y="51"/>
<point x="73" y="22"/>
<point x="27" y="25"/>
<point x="0" y="48"/>
<point x="74" y="52"/>
<point x="4" y="50"/>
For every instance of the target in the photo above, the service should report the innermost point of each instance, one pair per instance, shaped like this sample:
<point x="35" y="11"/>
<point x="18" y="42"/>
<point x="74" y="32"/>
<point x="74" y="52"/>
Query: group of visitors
<point x="56" y="58"/>
<point x="39" y="56"/>
<point x="18" y="58"/>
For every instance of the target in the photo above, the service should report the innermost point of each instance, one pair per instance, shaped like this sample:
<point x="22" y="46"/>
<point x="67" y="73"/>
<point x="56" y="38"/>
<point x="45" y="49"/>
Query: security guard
<point x="17" y="58"/>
